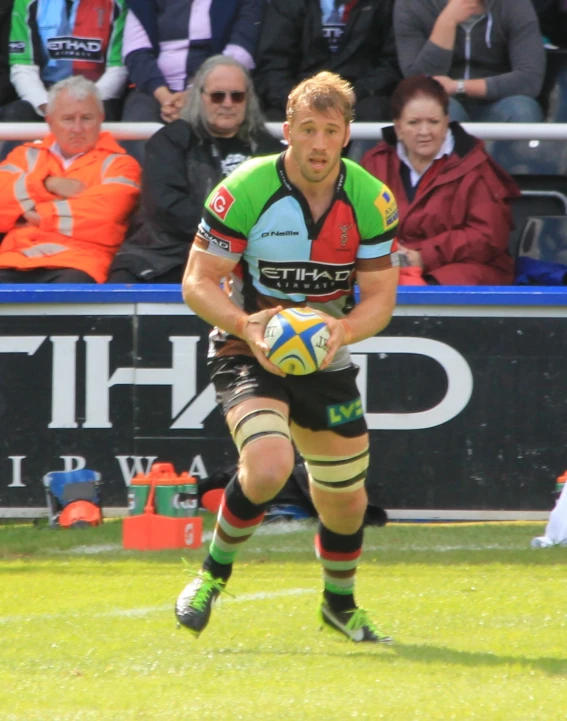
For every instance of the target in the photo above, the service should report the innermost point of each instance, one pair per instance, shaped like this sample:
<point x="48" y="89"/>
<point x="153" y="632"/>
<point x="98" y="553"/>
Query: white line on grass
<point x="140" y="612"/>
<point x="420" y="547"/>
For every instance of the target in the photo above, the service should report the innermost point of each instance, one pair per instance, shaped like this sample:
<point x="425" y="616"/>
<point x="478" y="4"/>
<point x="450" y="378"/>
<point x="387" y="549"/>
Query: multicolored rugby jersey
<point x="262" y="222"/>
<point x="81" y="37"/>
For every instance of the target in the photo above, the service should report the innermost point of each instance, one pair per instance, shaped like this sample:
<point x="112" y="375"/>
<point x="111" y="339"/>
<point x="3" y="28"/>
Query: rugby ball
<point x="297" y="338"/>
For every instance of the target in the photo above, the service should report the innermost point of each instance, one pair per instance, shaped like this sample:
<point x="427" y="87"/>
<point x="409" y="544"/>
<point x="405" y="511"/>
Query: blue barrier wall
<point x="465" y="395"/>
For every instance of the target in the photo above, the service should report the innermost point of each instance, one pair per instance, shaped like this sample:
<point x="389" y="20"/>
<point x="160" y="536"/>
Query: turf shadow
<point x="441" y="654"/>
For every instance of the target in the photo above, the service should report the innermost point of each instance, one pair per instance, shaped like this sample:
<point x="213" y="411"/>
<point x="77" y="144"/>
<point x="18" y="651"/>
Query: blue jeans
<point x="515" y="109"/>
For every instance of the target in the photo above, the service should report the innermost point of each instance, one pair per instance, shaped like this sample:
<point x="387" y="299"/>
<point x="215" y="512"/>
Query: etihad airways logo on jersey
<point x="221" y="202"/>
<point x="308" y="277"/>
<point x="73" y="48"/>
<point x="17" y="47"/>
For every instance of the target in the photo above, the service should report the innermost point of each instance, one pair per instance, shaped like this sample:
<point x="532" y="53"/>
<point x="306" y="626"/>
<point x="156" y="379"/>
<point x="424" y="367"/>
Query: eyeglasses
<point x="218" y="97"/>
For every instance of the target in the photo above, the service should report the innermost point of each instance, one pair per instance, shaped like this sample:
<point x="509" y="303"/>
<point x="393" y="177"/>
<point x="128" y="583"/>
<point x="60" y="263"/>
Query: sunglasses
<point x="218" y="97"/>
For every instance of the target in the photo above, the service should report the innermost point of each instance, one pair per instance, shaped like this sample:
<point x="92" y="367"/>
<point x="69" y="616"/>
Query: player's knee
<point x="262" y="476"/>
<point x="340" y="475"/>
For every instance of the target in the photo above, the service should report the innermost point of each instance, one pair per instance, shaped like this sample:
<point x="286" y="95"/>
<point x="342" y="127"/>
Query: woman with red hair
<point x="453" y="199"/>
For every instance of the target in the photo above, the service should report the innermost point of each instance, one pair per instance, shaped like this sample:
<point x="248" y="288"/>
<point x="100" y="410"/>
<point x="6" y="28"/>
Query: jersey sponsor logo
<point x="386" y="204"/>
<point x="221" y="202"/>
<point x="344" y="412"/>
<point x="74" y="48"/>
<point x="279" y="233"/>
<point x="17" y="47"/>
<point x="213" y="240"/>
<point x="308" y="277"/>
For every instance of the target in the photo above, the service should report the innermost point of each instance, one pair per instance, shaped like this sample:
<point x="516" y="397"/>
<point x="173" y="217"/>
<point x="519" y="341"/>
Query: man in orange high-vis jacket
<point x="65" y="202"/>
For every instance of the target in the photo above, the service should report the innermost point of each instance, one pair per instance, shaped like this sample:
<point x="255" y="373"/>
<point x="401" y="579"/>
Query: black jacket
<point x="180" y="170"/>
<point x="7" y="92"/>
<point x="292" y="47"/>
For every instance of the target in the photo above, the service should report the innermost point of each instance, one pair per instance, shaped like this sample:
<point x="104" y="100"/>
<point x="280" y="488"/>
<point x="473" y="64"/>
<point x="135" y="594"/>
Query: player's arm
<point x="203" y="293"/>
<point x="371" y="315"/>
<point x="377" y="301"/>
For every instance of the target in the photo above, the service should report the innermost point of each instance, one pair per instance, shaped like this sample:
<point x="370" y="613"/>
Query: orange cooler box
<point x="149" y="531"/>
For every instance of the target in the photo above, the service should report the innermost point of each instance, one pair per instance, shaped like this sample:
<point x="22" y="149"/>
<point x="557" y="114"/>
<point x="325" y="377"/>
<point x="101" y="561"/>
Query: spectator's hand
<point x="31" y="218"/>
<point x="413" y="256"/>
<point x="64" y="187"/>
<point x="179" y="99"/>
<point x="168" y="101"/>
<point x="169" y="112"/>
<point x="253" y="334"/>
<point x="449" y="84"/>
<point x="460" y="10"/>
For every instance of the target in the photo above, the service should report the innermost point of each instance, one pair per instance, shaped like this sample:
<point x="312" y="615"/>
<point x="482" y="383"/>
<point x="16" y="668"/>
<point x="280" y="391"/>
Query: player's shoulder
<point x="367" y="193"/>
<point x="359" y="178"/>
<point x="362" y="187"/>
<point x="254" y="170"/>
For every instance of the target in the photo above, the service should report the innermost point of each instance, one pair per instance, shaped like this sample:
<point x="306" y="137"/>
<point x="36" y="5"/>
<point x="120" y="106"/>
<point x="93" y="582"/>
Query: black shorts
<point x="321" y="401"/>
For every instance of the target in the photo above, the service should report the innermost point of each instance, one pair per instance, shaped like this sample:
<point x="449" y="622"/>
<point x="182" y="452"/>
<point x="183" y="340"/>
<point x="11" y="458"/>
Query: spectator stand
<point x="541" y="172"/>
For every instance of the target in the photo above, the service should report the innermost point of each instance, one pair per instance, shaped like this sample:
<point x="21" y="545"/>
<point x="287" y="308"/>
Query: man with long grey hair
<point x="220" y="126"/>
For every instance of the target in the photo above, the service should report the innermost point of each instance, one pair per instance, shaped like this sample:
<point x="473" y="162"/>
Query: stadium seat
<point x="530" y="157"/>
<point x="542" y="195"/>
<point x="544" y="238"/>
<point x="542" y="251"/>
<point x="357" y="148"/>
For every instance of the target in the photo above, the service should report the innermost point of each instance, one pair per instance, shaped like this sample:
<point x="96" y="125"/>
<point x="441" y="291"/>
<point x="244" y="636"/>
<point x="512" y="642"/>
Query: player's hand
<point x="460" y="10"/>
<point x="337" y="337"/>
<point x="64" y="187"/>
<point x="253" y="334"/>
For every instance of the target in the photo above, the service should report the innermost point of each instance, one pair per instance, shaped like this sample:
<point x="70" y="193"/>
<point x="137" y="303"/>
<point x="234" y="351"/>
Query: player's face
<point x="316" y="141"/>
<point x="224" y="101"/>
<point x="75" y="123"/>
<point x="422" y="128"/>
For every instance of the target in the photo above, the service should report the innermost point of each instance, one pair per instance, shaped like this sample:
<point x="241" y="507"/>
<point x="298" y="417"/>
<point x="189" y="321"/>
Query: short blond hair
<point x="322" y="92"/>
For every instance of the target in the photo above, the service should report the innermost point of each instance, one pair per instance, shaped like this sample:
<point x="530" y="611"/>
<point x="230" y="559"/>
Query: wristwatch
<point x="460" y="88"/>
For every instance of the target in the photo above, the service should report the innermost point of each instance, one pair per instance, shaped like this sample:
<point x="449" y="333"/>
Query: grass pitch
<point x="478" y="617"/>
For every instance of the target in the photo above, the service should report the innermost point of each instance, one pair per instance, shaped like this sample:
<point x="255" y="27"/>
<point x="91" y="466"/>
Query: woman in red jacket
<point x="455" y="217"/>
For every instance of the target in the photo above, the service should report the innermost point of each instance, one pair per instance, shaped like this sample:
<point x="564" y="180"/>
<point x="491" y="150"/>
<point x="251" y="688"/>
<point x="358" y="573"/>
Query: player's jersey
<point x="79" y="38"/>
<point x="262" y="222"/>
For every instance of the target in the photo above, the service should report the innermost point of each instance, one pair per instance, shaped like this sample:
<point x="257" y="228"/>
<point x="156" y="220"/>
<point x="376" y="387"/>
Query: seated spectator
<point x="488" y="55"/>
<point x="166" y="41"/>
<point x="354" y="39"/>
<point x="51" y="41"/>
<point x="455" y="218"/>
<point x="221" y="126"/>
<point x="66" y="200"/>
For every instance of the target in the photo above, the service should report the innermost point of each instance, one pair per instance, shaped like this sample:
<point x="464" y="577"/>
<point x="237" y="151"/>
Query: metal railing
<point x="359" y="131"/>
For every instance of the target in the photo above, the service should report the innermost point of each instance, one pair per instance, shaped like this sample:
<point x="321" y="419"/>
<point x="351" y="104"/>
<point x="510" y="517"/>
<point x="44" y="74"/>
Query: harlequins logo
<point x="344" y="234"/>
